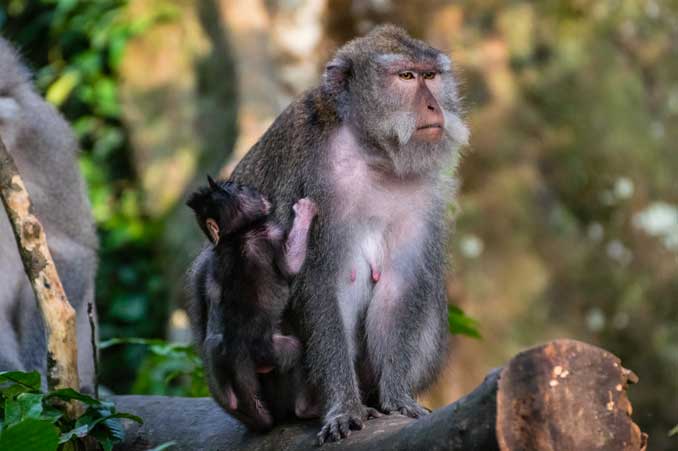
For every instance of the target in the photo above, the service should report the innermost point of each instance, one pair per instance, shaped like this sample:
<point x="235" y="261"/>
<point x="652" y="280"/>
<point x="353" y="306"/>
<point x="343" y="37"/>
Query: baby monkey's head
<point x="225" y="208"/>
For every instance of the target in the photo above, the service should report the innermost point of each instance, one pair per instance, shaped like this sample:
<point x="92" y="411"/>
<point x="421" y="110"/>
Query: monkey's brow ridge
<point x="440" y="63"/>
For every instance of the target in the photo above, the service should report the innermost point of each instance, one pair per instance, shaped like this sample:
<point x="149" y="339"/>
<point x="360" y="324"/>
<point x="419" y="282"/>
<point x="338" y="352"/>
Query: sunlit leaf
<point x="460" y="324"/>
<point x="59" y="91"/>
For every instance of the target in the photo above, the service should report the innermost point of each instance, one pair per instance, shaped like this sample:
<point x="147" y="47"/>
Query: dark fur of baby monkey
<point x="374" y="146"/>
<point x="238" y="290"/>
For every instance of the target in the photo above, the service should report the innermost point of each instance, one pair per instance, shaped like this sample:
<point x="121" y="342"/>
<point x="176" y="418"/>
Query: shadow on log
<point x="564" y="395"/>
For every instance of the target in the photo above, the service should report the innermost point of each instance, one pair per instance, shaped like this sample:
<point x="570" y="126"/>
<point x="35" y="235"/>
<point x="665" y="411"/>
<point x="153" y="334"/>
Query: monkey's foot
<point x="340" y="426"/>
<point x="405" y="406"/>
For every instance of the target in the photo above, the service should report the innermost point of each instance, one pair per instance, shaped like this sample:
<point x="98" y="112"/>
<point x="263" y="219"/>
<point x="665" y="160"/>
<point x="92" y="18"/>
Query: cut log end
<point x="566" y="395"/>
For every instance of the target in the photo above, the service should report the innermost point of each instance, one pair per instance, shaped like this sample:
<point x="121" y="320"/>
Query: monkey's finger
<point x="344" y="428"/>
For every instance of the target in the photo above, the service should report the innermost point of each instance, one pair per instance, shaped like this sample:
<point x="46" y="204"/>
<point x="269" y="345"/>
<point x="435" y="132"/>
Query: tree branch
<point x="57" y="313"/>
<point x="565" y="396"/>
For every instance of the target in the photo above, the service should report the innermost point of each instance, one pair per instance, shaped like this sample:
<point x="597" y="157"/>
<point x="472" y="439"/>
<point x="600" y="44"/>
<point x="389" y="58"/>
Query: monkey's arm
<point x="294" y="250"/>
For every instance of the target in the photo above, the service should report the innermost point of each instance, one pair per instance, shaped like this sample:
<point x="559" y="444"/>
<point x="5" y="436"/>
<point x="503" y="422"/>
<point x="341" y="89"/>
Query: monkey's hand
<point x="404" y="406"/>
<point x="297" y="239"/>
<point x="338" y="425"/>
<point x="305" y="210"/>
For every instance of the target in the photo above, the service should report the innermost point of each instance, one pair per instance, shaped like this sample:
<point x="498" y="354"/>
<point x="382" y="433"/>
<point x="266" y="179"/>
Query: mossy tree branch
<point x="564" y="395"/>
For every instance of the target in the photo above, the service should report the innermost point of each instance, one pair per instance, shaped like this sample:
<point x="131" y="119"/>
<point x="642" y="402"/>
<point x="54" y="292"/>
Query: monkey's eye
<point x="406" y="75"/>
<point x="428" y="75"/>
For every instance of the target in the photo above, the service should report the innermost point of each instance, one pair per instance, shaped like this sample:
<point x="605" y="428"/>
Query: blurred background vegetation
<point x="567" y="220"/>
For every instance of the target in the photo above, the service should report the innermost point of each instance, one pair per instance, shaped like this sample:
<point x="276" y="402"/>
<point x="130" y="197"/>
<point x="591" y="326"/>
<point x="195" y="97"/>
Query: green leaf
<point x="163" y="446"/>
<point x="460" y="324"/>
<point x="31" y="434"/>
<point x="59" y="91"/>
<point x="68" y="394"/>
<point x="12" y="412"/>
<point x="30" y="405"/>
<point x="130" y="341"/>
<point x="674" y="432"/>
<point x="79" y="432"/>
<point x="115" y="428"/>
<point x="25" y="406"/>
<point x="29" y="380"/>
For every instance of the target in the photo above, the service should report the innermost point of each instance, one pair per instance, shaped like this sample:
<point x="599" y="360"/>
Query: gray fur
<point x="381" y="197"/>
<point x="44" y="149"/>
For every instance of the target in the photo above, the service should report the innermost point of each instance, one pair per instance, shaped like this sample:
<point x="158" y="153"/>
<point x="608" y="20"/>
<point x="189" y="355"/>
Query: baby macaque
<point x="239" y="288"/>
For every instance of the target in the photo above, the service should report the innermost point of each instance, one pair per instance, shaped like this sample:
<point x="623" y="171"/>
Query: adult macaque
<point x="44" y="149"/>
<point x="371" y="145"/>
<point x="238" y="289"/>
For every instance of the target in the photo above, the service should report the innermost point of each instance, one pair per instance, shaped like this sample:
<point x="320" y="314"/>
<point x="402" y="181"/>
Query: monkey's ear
<point x="213" y="230"/>
<point x="212" y="183"/>
<point x="336" y="75"/>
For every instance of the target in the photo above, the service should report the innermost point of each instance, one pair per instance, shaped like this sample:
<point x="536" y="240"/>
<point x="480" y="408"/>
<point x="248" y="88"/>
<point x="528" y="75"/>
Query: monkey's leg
<point x="405" y="331"/>
<point x="329" y="361"/>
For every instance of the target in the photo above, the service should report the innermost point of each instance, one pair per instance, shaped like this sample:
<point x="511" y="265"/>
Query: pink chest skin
<point x="386" y="220"/>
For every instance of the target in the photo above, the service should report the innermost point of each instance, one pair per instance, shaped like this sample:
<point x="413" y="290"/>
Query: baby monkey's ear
<point x="214" y="185"/>
<point x="213" y="229"/>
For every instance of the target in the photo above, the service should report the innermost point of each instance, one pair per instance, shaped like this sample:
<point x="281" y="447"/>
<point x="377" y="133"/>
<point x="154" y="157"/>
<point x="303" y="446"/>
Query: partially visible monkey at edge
<point x="44" y="149"/>
<point x="238" y="289"/>
<point x="373" y="146"/>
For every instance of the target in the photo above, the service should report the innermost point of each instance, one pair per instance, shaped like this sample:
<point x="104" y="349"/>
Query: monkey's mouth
<point x="429" y="132"/>
<point x="427" y="126"/>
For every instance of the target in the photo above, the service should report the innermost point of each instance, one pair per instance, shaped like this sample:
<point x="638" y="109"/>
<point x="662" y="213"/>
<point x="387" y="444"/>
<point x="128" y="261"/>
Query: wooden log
<point x="58" y="314"/>
<point x="564" y="395"/>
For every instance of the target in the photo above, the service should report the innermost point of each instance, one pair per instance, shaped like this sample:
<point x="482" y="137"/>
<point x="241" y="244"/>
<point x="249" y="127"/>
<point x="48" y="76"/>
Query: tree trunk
<point x="565" y="395"/>
<point x="57" y="312"/>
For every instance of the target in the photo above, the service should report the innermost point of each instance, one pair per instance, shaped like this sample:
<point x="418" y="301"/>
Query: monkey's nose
<point x="431" y="107"/>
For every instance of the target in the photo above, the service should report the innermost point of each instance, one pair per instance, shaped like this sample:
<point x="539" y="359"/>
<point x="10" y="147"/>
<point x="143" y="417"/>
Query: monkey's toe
<point x="406" y="407"/>
<point x="339" y="427"/>
<point x="372" y="413"/>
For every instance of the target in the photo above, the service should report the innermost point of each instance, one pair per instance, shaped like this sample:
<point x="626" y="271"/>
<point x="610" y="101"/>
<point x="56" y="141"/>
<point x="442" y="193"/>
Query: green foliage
<point x="33" y="420"/>
<point x="169" y="368"/>
<point x="77" y="47"/>
<point x="460" y="324"/>
<point x="167" y="445"/>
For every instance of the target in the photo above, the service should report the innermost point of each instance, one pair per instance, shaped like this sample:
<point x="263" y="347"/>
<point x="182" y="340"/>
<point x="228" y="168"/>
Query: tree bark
<point x="564" y="395"/>
<point x="58" y="314"/>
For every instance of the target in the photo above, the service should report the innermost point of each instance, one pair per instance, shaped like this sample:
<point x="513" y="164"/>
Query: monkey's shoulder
<point x="296" y="135"/>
